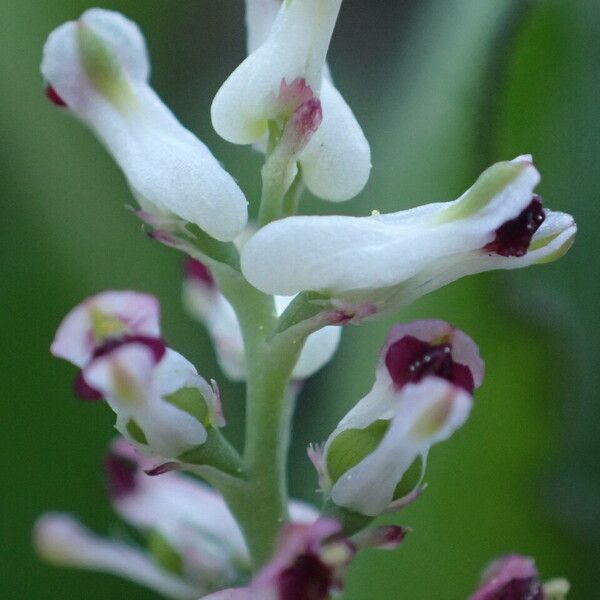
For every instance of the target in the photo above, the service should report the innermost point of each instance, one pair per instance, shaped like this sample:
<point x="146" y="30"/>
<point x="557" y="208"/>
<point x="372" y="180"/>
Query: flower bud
<point x="515" y="577"/>
<point x="98" y="69"/>
<point x="389" y="260"/>
<point x="284" y="74"/>
<point x="376" y="457"/>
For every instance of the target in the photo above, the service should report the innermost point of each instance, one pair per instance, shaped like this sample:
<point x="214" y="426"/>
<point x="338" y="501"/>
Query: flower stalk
<point x="273" y="298"/>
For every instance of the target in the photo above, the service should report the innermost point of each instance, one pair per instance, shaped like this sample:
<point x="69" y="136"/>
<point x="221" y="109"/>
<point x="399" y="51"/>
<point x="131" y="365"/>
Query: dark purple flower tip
<point x="511" y="577"/>
<point x="163" y="468"/>
<point x="199" y="272"/>
<point x="53" y="96"/>
<point x="409" y="360"/>
<point x="308" y="578"/>
<point x="120" y="474"/>
<point x="156" y="345"/>
<point x="513" y="238"/>
<point x="84" y="390"/>
<point x="519" y="589"/>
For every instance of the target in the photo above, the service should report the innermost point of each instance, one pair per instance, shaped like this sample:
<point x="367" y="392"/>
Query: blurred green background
<point x="443" y="88"/>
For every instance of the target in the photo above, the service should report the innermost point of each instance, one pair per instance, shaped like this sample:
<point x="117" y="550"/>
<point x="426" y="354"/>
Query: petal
<point x="464" y="349"/>
<point x="182" y="509"/>
<point x="168" y="169"/>
<point x="337" y="254"/>
<point x="302" y="512"/>
<point x="426" y="413"/>
<point x="211" y="308"/>
<point x="336" y="163"/>
<point x="75" y="340"/>
<point x="551" y="241"/>
<point x="294" y="50"/>
<point x="260" y="16"/>
<point x="133" y="387"/>
<point x="511" y="576"/>
<point x="296" y="540"/>
<point x="61" y="540"/>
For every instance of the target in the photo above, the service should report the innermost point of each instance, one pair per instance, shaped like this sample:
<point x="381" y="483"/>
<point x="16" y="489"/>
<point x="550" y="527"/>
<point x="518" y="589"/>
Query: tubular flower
<point x="375" y="459"/>
<point x="310" y="562"/>
<point x="98" y="69"/>
<point x="285" y="81"/>
<point x="514" y="577"/>
<point x="204" y="301"/>
<point x="192" y="543"/>
<point x="390" y="260"/>
<point x="160" y="400"/>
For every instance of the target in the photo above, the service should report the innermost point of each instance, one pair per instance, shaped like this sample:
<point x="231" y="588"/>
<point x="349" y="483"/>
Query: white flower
<point x="394" y="258"/>
<point x="160" y="400"/>
<point x="194" y="545"/>
<point x="204" y="301"/>
<point x="98" y="68"/>
<point x="63" y="541"/>
<point x="139" y="390"/>
<point x="310" y="562"/>
<point x="375" y="459"/>
<point x="284" y="71"/>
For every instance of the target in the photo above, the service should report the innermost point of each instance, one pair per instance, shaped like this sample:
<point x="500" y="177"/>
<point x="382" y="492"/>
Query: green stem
<point x="260" y="503"/>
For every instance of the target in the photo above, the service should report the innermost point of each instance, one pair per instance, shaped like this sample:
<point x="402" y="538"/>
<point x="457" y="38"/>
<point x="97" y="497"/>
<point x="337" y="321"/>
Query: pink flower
<point x="310" y="562"/>
<point x="422" y="394"/>
<point x="515" y="577"/>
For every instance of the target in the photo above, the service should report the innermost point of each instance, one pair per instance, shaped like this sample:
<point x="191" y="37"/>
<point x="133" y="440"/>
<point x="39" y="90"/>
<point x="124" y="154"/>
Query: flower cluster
<point x="273" y="296"/>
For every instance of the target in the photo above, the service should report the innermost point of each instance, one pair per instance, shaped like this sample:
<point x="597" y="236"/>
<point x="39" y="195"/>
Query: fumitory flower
<point x="206" y="303"/>
<point x="97" y="68"/>
<point x="285" y="83"/>
<point x="192" y="544"/>
<point x="375" y="459"/>
<point x="310" y="562"/>
<point x="388" y="260"/>
<point x="515" y="577"/>
<point x="160" y="400"/>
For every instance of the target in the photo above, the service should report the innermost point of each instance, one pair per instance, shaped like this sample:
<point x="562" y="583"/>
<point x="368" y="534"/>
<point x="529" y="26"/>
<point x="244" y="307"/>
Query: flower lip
<point x="307" y="579"/>
<point x="511" y="577"/>
<point x="514" y="236"/>
<point x="409" y="360"/>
